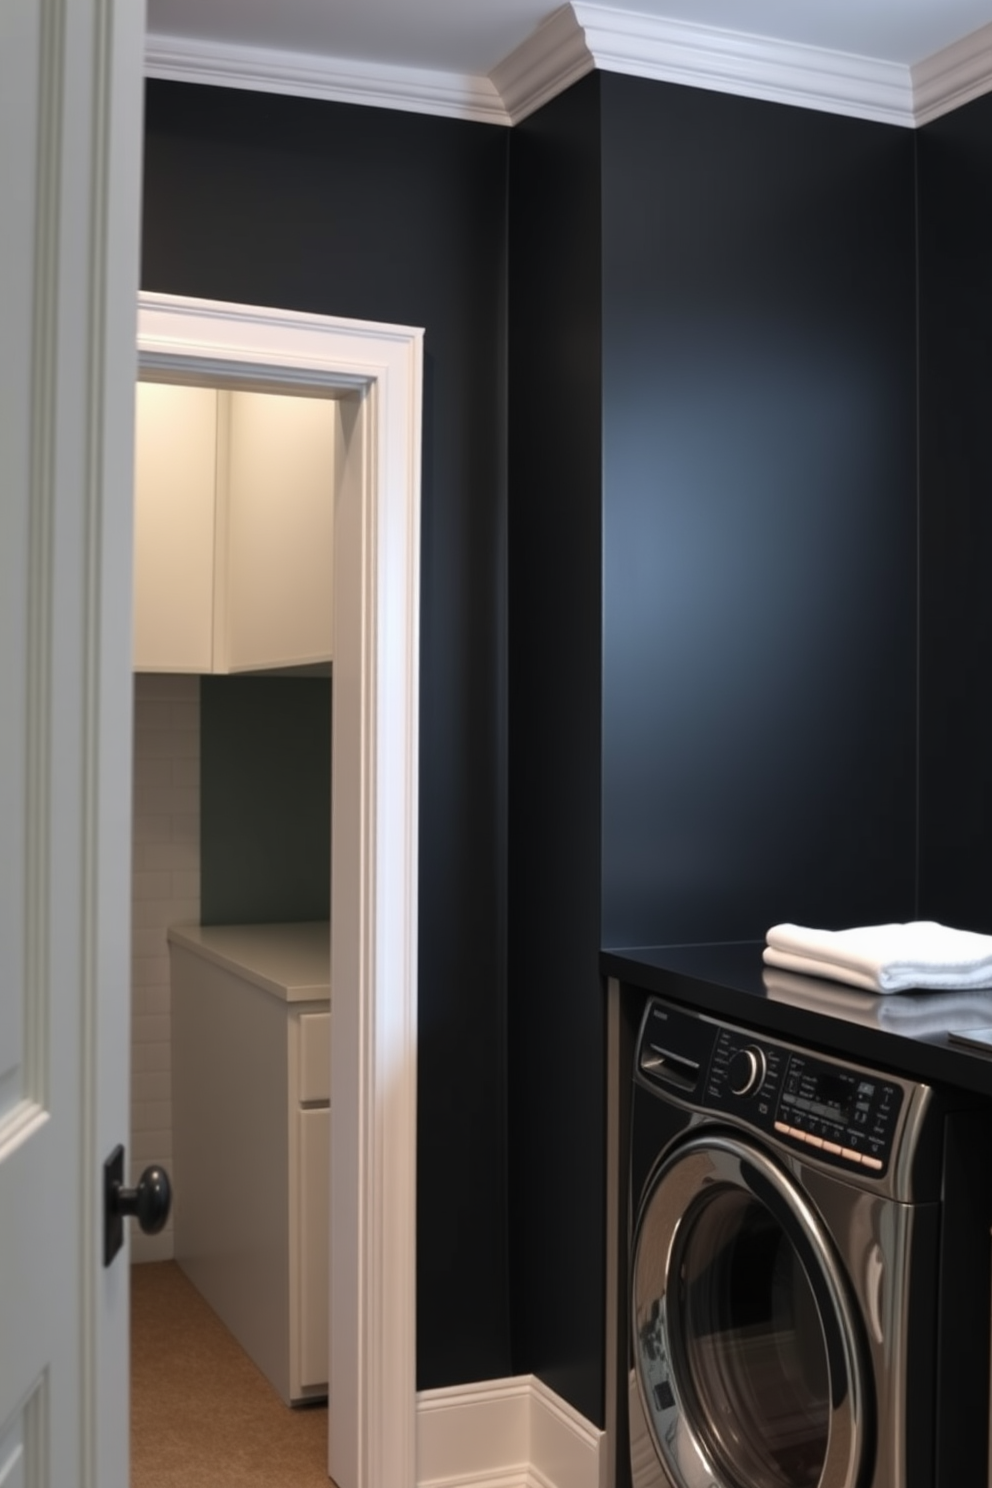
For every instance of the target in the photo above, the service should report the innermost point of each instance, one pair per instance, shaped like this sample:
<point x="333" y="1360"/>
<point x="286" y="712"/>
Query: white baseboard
<point x="510" y="1433"/>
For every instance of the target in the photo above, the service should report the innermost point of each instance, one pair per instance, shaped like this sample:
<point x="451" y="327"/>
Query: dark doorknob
<point x="149" y="1203"/>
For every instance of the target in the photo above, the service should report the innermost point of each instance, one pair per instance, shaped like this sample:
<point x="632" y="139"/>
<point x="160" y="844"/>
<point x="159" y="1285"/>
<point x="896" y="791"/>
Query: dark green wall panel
<point x="265" y="792"/>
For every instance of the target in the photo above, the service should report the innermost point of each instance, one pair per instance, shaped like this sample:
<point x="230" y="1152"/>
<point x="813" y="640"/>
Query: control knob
<point x="746" y="1071"/>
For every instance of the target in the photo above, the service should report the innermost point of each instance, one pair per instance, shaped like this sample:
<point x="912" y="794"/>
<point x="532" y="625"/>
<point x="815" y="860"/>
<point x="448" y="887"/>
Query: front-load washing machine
<point x="808" y="1268"/>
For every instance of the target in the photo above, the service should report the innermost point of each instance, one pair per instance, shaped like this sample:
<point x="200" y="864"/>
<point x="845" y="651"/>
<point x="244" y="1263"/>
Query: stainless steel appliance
<point x="801" y="1230"/>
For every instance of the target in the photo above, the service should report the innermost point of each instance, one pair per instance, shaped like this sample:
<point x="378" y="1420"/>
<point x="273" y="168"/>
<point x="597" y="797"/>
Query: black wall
<point x="710" y="590"/>
<point x="556" y="1006"/>
<point x="759" y="517"/>
<point x="399" y="217"/>
<point x="713" y="610"/>
<point x="955" y="172"/>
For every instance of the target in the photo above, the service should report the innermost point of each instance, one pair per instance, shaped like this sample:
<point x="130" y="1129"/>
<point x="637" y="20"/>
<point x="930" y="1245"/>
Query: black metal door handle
<point x="149" y="1203"/>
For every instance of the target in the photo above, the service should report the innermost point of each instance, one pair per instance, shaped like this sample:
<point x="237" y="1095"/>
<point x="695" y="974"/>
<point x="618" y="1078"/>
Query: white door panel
<point x="70" y="141"/>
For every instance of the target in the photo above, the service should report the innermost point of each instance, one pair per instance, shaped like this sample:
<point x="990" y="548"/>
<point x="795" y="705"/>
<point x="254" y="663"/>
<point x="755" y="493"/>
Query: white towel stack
<point x="886" y="958"/>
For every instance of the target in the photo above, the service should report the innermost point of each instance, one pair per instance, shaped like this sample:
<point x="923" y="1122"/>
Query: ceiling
<point x="480" y="44"/>
<point x="472" y="36"/>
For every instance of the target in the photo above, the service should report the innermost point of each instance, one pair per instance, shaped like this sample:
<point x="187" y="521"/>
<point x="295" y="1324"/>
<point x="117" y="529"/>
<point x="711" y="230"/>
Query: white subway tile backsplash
<point x="152" y="713"/>
<point x="145" y="942"/>
<point x="186" y="772"/>
<point x="156" y="1087"/>
<point x="151" y="1146"/>
<point x="151" y="769"/>
<point x="153" y="913"/>
<point x="150" y="971"/>
<point x="186" y="716"/>
<point x="151" y="885"/>
<point x="158" y="745"/>
<point x="187" y="911"/>
<point x="165" y="891"/>
<point x="174" y="685"/>
<point x="152" y="1002"/>
<point x="184" y="744"/>
<point x="153" y="1030"/>
<point x="149" y="1058"/>
<point x="151" y="828"/>
<point x="181" y="856"/>
<point x="150" y="1115"/>
<point x="186" y="828"/>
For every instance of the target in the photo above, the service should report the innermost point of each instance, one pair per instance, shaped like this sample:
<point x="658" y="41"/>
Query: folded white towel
<point x="885" y="958"/>
<point x="910" y="1013"/>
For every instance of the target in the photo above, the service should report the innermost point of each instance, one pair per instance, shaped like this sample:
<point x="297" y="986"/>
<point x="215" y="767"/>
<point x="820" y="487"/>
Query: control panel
<point x="837" y="1112"/>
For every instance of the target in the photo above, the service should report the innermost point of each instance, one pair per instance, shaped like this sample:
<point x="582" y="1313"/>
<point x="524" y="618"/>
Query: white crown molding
<point x="578" y="38"/>
<point x="589" y="36"/>
<point x="185" y="60"/>
<point x="509" y="1433"/>
<point x="953" y="76"/>
<point x="552" y="58"/>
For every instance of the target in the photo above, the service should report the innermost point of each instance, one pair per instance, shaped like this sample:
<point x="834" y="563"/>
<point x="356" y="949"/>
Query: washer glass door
<point x="745" y="1345"/>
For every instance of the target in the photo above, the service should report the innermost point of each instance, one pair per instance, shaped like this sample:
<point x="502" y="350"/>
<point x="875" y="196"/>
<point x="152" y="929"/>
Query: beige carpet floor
<point x="202" y="1414"/>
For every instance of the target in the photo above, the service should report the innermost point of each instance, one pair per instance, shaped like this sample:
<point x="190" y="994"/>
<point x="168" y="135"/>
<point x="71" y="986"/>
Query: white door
<point x="70" y="153"/>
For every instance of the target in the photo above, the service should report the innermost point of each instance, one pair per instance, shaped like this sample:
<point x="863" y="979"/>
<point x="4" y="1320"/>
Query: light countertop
<point x="292" y="962"/>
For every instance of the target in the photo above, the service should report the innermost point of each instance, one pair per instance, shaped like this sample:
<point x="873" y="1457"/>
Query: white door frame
<point x="375" y="373"/>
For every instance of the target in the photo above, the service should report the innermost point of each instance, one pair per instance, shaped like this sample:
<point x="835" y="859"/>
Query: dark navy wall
<point x="955" y="171"/>
<point x="710" y="583"/>
<point x="759" y="512"/>
<point x="556" y="1006"/>
<point x="399" y="217"/>
<point x="713" y="609"/>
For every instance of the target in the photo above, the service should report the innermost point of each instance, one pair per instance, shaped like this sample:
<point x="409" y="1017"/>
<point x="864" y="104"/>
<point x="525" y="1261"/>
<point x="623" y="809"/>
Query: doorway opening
<point x="373" y="375"/>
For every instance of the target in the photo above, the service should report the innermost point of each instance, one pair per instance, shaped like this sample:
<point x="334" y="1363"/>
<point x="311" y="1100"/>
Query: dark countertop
<point x="904" y="1032"/>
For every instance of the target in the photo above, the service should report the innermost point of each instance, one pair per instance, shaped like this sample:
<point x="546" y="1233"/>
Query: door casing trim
<point x="375" y="373"/>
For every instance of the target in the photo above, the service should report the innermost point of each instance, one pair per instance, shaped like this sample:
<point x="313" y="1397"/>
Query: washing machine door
<point x="746" y="1350"/>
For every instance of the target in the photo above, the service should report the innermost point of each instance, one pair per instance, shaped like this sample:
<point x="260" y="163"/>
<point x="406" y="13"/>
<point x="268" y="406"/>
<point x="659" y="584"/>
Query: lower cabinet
<point x="251" y="1031"/>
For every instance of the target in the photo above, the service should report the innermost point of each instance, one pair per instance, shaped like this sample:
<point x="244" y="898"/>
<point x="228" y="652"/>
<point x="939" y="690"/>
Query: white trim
<point x="953" y="76"/>
<point x="554" y="57"/>
<point x="264" y="70"/>
<point x="510" y="1433"/>
<point x="698" y="56"/>
<point x="576" y="39"/>
<point x="755" y="66"/>
<point x="377" y="368"/>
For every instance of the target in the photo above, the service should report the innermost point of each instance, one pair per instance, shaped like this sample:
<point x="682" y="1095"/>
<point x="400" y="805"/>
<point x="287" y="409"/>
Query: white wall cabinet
<point x="234" y="526"/>
<point x="251" y="1032"/>
<point x="175" y="460"/>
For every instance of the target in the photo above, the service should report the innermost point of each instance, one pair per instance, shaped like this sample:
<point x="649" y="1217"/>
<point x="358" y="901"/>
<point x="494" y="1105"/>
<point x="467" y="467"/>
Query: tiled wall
<point x="165" y="890"/>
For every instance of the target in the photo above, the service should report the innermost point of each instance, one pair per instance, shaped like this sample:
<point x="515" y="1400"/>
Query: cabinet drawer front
<point x="315" y="1058"/>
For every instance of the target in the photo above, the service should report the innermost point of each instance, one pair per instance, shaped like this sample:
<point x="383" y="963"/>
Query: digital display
<point x="834" y="1097"/>
<point x="830" y="1097"/>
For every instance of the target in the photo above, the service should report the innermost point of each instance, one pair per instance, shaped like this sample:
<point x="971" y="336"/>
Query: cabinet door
<point x="280" y="523"/>
<point x="175" y="466"/>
